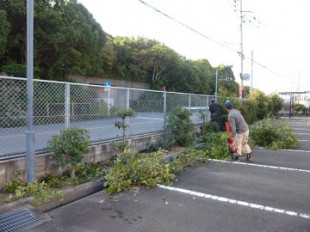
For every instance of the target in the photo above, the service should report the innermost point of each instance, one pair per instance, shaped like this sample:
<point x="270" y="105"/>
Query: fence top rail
<point x="100" y="86"/>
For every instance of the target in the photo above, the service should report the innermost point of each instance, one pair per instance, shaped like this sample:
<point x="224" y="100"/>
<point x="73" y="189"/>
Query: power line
<point x="188" y="27"/>
<point x="209" y="38"/>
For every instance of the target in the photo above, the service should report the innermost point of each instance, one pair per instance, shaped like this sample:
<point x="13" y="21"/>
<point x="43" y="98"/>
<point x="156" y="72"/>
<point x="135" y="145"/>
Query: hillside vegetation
<point x="68" y="40"/>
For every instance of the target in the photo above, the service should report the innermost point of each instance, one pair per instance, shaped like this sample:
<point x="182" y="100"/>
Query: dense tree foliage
<point x="68" y="40"/>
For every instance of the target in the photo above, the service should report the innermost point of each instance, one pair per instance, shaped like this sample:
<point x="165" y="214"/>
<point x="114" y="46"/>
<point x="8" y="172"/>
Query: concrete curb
<point x="70" y="195"/>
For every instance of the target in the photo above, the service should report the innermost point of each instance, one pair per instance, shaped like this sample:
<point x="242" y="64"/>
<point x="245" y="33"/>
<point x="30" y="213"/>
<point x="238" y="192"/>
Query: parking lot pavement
<point x="270" y="193"/>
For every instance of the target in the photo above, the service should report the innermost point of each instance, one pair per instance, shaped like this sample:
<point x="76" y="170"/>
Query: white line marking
<point x="295" y="150"/>
<point x="301" y="133"/>
<point x="233" y="201"/>
<point x="159" y="119"/>
<point x="262" y="148"/>
<point x="263" y="166"/>
<point x="304" y="140"/>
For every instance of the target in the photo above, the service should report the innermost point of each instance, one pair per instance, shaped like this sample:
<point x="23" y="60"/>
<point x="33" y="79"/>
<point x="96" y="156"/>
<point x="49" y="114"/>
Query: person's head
<point x="212" y="101"/>
<point x="228" y="105"/>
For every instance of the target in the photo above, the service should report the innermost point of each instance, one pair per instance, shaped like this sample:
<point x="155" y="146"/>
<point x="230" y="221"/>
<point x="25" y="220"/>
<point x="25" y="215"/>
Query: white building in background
<point x="301" y="97"/>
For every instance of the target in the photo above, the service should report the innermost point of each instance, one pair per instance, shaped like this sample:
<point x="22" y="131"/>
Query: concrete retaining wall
<point x="45" y="165"/>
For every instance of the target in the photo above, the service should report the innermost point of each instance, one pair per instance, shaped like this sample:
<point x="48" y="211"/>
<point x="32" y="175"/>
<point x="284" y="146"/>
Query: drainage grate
<point x="17" y="219"/>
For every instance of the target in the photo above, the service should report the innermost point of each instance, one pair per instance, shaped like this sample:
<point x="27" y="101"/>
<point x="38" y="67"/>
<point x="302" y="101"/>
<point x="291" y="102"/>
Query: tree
<point x="261" y="100"/>
<point x="275" y="104"/>
<point x="157" y="60"/>
<point x="67" y="39"/>
<point x="15" y="11"/>
<point x="123" y="114"/>
<point x="298" y="107"/>
<point x="109" y="57"/>
<point x="226" y="82"/>
<point x="4" y="28"/>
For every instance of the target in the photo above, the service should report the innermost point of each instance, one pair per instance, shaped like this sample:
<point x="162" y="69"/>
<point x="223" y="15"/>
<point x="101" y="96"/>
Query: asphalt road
<point x="13" y="140"/>
<point x="269" y="194"/>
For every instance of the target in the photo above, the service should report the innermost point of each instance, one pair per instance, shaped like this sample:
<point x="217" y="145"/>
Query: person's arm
<point x="232" y="123"/>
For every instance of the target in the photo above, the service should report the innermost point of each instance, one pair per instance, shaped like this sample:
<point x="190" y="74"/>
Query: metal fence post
<point x="127" y="107"/>
<point x="67" y="105"/>
<point x="30" y="137"/>
<point x="127" y="98"/>
<point x="189" y="101"/>
<point x="165" y="110"/>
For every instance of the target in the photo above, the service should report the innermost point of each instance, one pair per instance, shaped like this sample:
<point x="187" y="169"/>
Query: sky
<point x="274" y="31"/>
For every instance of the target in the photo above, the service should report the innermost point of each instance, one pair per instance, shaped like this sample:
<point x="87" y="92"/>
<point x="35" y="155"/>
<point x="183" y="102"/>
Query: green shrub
<point x="54" y="181"/>
<point x="14" y="184"/>
<point x="163" y="144"/>
<point x="70" y="147"/>
<point x="180" y="126"/>
<point x="210" y="127"/>
<point x="87" y="171"/>
<point x="275" y="104"/>
<point x="191" y="158"/>
<point x="249" y="111"/>
<point x="138" y="169"/>
<point x="38" y="190"/>
<point x="123" y="114"/>
<point x="216" y="146"/>
<point x="300" y="108"/>
<point x="149" y="169"/>
<point x="273" y="134"/>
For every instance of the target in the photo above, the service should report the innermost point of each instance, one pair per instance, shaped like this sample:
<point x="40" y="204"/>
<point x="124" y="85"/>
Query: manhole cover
<point x="17" y="219"/>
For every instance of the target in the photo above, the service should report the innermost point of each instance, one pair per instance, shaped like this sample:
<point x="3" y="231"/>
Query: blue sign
<point x="107" y="83"/>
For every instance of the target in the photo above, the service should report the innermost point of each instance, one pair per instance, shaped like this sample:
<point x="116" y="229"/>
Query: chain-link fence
<point x="59" y="105"/>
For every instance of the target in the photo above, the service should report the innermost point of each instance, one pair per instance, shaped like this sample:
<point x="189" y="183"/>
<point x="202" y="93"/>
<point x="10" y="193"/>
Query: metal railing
<point x="59" y="105"/>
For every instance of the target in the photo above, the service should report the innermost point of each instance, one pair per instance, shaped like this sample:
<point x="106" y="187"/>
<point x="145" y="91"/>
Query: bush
<point x="70" y="147"/>
<point x="275" y="104"/>
<point x="163" y="144"/>
<point x="180" y="126"/>
<point x="249" y="111"/>
<point x="149" y="169"/>
<point x="210" y="127"/>
<point x="190" y="158"/>
<point x="13" y="185"/>
<point x="273" y="134"/>
<point x="216" y="146"/>
<point x="38" y="190"/>
<point x="138" y="169"/>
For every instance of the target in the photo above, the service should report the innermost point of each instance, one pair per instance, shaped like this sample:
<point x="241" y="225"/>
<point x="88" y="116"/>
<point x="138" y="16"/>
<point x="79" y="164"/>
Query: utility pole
<point x="216" y="79"/>
<point x="251" y="89"/>
<point x="243" y="19"/>
<point x="241" y="51"/>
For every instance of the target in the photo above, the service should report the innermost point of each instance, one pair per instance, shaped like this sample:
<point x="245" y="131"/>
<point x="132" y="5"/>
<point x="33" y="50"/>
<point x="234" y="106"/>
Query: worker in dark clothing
<point x="214" y="109"/>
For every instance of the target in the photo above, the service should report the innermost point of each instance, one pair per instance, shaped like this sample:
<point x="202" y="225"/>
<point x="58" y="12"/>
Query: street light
<point x="216" y="78"/>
